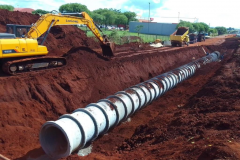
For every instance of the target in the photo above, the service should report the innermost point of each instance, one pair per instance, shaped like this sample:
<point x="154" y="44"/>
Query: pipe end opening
<point x="54" y="141"/>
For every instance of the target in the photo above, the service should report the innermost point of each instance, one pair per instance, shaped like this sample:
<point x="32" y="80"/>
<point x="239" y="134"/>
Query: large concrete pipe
<point x="72" y="131"/>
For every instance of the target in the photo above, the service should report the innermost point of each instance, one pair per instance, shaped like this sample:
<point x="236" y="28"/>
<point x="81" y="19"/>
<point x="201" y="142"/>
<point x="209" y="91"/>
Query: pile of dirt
<point x="16" y="17"/>
<point x="64" y="38"/>
<point x="181" y="30"/>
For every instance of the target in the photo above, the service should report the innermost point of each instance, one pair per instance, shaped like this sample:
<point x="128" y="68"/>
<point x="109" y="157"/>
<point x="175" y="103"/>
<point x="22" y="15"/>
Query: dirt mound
<point x="181" y="30"/>
<point x="63" y="38"/>
<point x="16" y="17"/>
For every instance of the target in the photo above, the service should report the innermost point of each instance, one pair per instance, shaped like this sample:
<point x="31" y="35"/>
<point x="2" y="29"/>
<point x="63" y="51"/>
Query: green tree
<point x="7" y="7"/>
<point x="138" y="28"/>
<point x="112" y="16"/>
<point x="115" y="10"/>
<point x="186" y="24"/>
<point x="205" y="27"/>
<point x="233" y="31"/>
<point x="221" y="30"/>
<point x="40" y="11"/>
<point x="196" y="27"/>
<point x="200" y="28"/>
<point x="98" y="18"/>
<point x="130" y="15"/>
<point x="74" y="7"/>
<point x="212" y="32"/>
<point x="109" y="15"/>
<point x="230" y="29"/>
<point x="121" y="19"/>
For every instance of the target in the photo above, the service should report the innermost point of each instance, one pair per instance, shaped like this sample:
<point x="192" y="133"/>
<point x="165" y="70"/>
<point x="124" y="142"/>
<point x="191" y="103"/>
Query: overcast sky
<point x="214" y="12"/>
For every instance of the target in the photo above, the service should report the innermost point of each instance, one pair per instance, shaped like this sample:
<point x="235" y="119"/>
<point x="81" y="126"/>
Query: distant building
<point x="28" y="10"/>
<point x="143" y="20"/>
<point x="154" y="28"/>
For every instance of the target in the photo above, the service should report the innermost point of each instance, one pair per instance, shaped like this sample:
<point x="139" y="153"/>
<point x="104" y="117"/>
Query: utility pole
<point x="178" y="17"/>
<point x="149" y="18"/>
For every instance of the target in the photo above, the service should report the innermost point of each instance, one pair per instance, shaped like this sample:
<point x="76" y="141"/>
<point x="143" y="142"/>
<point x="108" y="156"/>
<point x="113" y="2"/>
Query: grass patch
<point x="116" y="36"/>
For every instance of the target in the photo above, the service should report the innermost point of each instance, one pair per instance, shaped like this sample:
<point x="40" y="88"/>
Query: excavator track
<point x="31" y="64"/>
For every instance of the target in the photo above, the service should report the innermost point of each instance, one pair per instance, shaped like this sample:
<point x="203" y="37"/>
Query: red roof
<point x="143" y="20"/>
<point x="29" y="10"/>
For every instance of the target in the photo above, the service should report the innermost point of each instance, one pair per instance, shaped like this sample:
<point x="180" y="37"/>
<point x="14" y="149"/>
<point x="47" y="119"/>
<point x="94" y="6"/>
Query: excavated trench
<point x="31" y="99"/>
<point x="173" y="127"/>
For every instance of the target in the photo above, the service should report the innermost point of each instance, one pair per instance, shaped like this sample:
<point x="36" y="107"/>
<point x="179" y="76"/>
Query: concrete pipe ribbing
<point x="72" y="131"/>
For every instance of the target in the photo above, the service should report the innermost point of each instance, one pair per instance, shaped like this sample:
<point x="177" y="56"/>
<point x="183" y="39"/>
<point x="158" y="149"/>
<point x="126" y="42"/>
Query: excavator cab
<point x="14" y="31"/>
<point x="18" y="30"/>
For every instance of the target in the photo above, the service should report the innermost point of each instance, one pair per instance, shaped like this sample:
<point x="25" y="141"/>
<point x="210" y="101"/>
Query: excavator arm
<point x="46" y="21"/>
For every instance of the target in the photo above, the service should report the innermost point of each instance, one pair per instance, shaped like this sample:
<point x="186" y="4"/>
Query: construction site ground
<point x="198" y="119"/>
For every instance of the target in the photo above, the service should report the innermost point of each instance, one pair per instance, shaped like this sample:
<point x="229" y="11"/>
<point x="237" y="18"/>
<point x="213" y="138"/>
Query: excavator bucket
<point x="108" y="49"/>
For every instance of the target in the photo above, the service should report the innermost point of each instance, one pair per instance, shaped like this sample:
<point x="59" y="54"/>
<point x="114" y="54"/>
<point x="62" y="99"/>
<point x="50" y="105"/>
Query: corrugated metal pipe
<point x="72" y="131"/>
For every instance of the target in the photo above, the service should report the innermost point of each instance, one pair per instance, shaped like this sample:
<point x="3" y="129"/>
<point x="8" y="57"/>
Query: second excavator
<point x="22" y="54"/>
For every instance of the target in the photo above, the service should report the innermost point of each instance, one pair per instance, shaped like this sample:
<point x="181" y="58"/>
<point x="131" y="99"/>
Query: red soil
<point x="203" y="109"/>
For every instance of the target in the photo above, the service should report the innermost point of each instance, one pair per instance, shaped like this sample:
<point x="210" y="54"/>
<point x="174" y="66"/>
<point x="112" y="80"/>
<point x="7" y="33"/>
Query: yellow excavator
<point x="24" y="53"/>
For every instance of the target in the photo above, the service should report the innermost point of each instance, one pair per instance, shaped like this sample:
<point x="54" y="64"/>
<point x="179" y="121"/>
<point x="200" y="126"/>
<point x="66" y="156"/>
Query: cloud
<point x="35" y="4"/>
<point x="141" y="7"/>
<point x="216" y="13"/>
<point x="143" y="4"/>
<point x="93" y="4"/>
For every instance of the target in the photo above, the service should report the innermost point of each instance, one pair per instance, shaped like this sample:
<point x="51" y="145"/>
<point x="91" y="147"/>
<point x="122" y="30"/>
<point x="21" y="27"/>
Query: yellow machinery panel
<point x="179" y="38"/>
<point x="32" y="45"/>
<point x="21" y="48"/>
<point x="0" y="51"/>
<point x="42" y="49"/>
<point x="23" y="45"/>
<point x="8" y="44"/>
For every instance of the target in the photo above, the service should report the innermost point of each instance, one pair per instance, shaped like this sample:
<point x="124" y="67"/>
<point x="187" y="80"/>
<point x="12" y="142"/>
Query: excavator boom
<point x="46" y="21"/>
